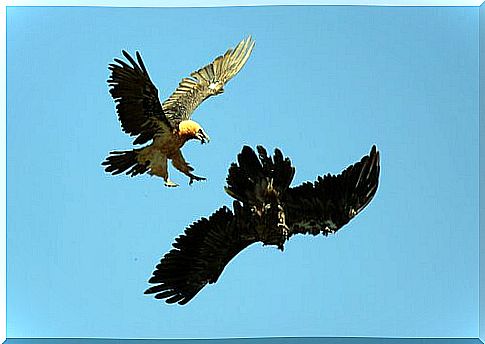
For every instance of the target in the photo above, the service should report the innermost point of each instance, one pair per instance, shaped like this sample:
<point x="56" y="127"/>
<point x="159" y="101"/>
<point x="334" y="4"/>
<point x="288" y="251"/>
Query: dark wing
<point x="139" y="109"/>
<point x="205" y="82"/>
<point x="332" y="201"/>
<point x="200" y="255"/>
<point x="254" y="179"/>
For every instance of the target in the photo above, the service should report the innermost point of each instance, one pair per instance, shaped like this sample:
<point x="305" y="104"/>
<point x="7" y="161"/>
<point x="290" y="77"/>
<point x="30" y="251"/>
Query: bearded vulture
<point x="267" y="210"/>
<point x="167" y="125"/>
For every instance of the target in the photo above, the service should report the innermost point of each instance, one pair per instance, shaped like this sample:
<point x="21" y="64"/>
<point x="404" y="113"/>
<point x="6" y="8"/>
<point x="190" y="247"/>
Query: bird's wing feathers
<point x="206" y="82"/>
<point x="137" y="103"/>
<point x="250" y="179"/>
<point x="200" y="255"/>
<point x="332" y="201"/>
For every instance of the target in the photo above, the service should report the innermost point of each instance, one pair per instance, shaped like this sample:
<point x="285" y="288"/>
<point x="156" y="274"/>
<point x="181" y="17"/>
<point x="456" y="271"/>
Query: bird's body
<point x="266" y="210"/>
<point x="154" y="158"/>
<point x="167" y="125"/>
<point x="164" y="148"/>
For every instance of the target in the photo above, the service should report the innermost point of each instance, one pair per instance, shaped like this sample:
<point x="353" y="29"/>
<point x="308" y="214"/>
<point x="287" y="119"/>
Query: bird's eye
<point x="200" y="131"/>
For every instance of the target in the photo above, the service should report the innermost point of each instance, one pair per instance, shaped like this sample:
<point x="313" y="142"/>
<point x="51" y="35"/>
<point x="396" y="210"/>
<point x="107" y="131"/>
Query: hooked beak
<point x="202" y="137"/>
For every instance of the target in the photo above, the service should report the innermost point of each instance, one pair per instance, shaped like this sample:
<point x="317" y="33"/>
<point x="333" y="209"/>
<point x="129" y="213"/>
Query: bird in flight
<point x="167" y="125"/>
<point x="267" y="210"/>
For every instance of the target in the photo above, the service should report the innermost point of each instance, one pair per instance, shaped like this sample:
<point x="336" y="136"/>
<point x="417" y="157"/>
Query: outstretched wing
<point x="139" y="109"/>
<point x="332" y="201"/>
<point x="200" y="255"/>
<point x="206" y="82"/>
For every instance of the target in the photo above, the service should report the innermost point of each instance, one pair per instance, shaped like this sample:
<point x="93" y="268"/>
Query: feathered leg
<point x="158" y="165"/>
<point x="180" y="164"/>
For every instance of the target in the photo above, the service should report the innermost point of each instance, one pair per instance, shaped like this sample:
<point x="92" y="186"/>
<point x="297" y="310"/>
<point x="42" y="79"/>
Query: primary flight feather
<point x="167" y="125"/>
<point x="267" y="210"/>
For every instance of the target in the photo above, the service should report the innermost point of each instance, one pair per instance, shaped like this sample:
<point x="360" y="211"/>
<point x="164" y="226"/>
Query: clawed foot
<point x="170" y="184"/>
<point x="192" y="178"/>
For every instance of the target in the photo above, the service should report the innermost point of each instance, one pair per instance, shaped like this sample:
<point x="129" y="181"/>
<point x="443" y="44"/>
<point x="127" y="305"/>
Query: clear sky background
<point x="482" y="177"/>
<point x="323" y="84"/>
<point x="211" y="3"/>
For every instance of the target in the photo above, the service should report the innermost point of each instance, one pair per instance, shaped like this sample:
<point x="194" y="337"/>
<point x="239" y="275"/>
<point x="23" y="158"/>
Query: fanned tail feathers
<point x="253" y="176"/>
<point x="120" y="161"/>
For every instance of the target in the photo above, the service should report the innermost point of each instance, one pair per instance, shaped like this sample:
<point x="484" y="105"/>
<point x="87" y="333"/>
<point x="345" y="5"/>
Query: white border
<point x="226" y="3"/>
<point x="3" y="174"/>
<point x="139" y="3"/>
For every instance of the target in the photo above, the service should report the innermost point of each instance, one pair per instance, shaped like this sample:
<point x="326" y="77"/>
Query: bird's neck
<point x="182" y="137"/>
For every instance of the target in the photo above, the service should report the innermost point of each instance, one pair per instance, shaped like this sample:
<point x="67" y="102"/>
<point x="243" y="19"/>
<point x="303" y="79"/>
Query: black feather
<point x="138" y="106"/>
<point x="199" y="256"/>
<point x="331" y="202"/>
<point x="266" y="210"/>
<point x="124" y="161"/>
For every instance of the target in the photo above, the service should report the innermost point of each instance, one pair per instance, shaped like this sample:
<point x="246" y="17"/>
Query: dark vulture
<point x="266" y="209"/>
<point x="167" y="125"/>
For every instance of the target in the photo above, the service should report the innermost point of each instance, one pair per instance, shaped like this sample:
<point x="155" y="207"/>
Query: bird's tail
<point x="255" y="179"/>
<point x="120" y="161"/>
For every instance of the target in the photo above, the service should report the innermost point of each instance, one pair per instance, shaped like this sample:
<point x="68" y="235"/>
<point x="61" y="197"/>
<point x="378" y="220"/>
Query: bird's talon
<point x="198" y="179"/>
<point x="171" y="184"/>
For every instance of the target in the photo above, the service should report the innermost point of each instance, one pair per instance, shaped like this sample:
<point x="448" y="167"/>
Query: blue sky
<point x="323" y="84"/>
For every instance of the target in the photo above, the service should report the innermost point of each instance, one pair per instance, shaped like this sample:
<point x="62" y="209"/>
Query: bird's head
<point x="192" y="130"/>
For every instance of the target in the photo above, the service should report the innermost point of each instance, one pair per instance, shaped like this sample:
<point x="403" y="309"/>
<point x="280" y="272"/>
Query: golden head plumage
<point x="165" y="127"/>
<point x="189" y="129"/>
